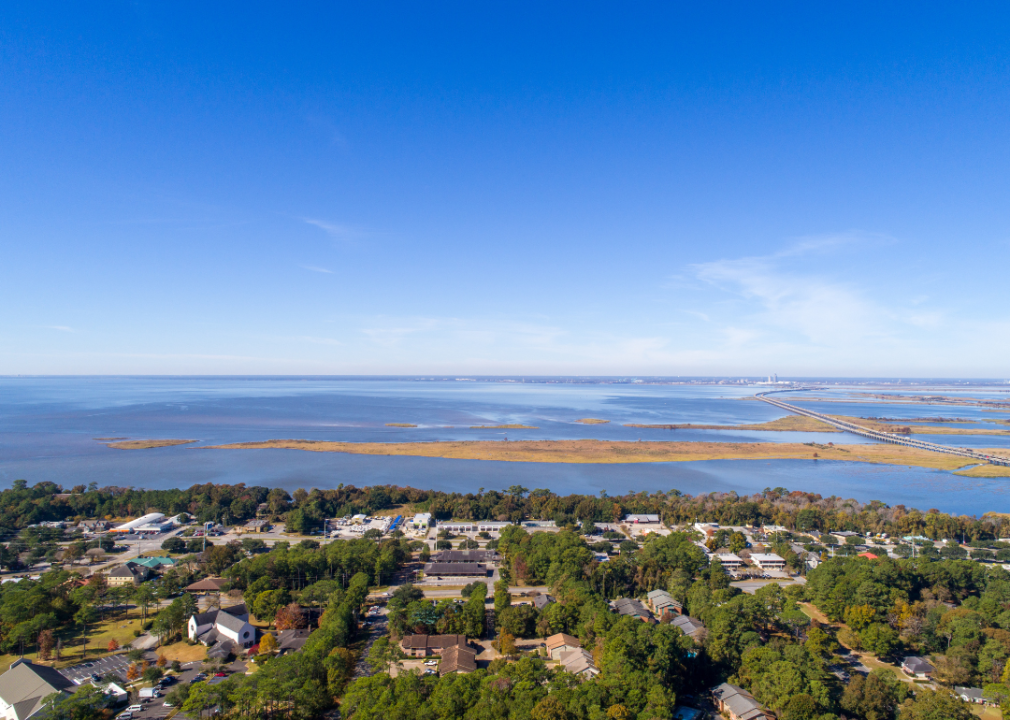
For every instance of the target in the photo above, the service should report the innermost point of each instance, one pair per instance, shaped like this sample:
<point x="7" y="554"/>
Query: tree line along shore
<point x="783" y="648"/>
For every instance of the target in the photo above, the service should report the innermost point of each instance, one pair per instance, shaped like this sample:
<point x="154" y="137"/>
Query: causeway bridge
<point x="892" y="438"/>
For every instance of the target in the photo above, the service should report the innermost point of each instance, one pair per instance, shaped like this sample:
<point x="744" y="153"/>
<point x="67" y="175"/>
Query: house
<point x="292" y="640"/>
<point x="457" y="659"/>
<point x="156" y="564"/>
<point x="207" y="585"/>
<point x="738" y="704"/>
<point x="642" y="519"/>
<point x="466" y="556"/>
<point x="579" y="662"/>
<point x="691" y="627"/>
<point x="428" y="645"/>
<point x="972" y="695"/>
<point x="131" y="573"/>
<point x="223" y="629"/>
<point x="25" y="685"/>
<point x="542" y="600"/>
<point x="456" y="569"/>
<point x="632" y="607"/>
<point x="561" y="643"/>
<point x="768" y="561"/>
<point x="662" y="604"/>
<point x="730" y="561"/>
<point x="917" y="667"/>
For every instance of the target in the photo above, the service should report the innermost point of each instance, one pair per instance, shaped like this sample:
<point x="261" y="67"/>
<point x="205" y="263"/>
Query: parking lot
<point x="82" y="673"/>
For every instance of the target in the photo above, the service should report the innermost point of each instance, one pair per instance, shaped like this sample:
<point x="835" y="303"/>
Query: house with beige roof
<point x="561" y="643"/>
<point x="25" y="685"/>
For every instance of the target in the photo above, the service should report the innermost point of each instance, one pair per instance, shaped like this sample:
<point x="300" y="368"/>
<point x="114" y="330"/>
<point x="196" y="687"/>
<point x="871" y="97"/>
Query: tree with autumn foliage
<point x="290" y="617"/>
<point x="132" y="672"/>
<point x="162" y="661"/>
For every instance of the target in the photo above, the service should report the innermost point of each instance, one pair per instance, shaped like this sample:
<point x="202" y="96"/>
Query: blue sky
<point x="709" y="188"/>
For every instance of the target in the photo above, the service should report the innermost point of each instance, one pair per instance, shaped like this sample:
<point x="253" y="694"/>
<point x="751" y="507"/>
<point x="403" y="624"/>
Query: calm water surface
<point x="48" y="426"/>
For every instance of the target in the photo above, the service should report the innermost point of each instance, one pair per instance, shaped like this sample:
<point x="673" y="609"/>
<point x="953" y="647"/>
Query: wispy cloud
<point x="336" y="230"/>
<point x="317" y="269"/>
<point x="61" y="328"/>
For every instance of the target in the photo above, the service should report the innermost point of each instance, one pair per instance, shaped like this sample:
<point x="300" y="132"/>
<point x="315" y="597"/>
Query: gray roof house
<point x="542" y="600"/>
<point x="222" y="630"/>
<point x="25" y="685"/>
<point x="691" y="627"/>
<point x="917" y="667"/>
<point x="738" y="704"/>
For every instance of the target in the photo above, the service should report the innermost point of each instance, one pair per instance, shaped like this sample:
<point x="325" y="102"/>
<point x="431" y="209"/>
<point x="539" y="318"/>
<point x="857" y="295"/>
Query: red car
<point x="221" y="674"/>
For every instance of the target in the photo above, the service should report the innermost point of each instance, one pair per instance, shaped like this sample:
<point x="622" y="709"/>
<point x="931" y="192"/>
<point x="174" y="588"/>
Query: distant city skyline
<point x="392" y="189"/>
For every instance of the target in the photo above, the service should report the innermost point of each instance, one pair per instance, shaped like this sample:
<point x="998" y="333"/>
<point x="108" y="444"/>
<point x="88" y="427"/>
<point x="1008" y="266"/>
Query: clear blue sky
<point x="714" y="188"/>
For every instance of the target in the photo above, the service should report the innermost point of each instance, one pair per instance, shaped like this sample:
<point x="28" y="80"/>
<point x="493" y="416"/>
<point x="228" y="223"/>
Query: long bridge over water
<point x="892" y="438"/>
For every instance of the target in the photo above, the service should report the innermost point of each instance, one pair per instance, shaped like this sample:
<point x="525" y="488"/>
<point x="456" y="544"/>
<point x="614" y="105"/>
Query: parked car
<point x="220" y="674"/>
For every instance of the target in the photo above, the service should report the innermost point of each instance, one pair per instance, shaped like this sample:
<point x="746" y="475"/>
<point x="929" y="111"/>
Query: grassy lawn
<point x="987" y="713"/>
<point x="120" y="628"/>
<point x="183" y="652"/>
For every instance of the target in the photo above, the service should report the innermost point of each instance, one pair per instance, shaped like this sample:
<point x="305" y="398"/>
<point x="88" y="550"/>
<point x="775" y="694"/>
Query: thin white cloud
<point x="336" y="230"/>
<point x="317" y="269"/>
<point x="61" y="328"/>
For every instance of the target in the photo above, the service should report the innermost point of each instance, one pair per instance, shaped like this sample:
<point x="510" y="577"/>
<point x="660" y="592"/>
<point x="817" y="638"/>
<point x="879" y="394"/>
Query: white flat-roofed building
<point x="730" y="561"/>
<point x="465" y="526"/>
<point x="642" y="518"/>
<point x="359" y="518"/>
<point x="768" y="561"/>
<point x="421" y="520"/>
<point x="706" y="529"/>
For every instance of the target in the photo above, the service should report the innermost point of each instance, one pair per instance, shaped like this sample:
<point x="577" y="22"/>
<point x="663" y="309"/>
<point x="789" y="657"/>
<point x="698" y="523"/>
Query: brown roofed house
<point x="457" y="659"/>
<point x="427" y="645"/>
<point x="560" y="643"/>
<point x="207" y="585"/>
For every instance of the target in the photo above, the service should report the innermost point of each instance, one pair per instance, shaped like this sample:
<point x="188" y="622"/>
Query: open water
<point x="48" y="428"/>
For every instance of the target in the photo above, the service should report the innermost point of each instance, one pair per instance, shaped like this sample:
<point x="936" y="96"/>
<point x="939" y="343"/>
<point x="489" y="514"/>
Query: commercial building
<point x="473" y="526"/>
<point x="421" y="520"/>
<point x="648" y="519"/>
<point x="25" y="685"/>
<point x="456" y="569"/>
<point x="768" y="561"/>
<point x="730" y="561"/>
<point x="466" y="556"/>
<point x="156" y="564"/>
<point x="152" y="522"/>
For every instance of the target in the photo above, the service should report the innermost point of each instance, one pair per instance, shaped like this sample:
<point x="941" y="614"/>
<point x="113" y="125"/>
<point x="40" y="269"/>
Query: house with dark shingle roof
<point x="25" y="685"/>
<point x="457" y="659"/>
<point x="426" y="645"/>
<point x="131" y="573"/>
